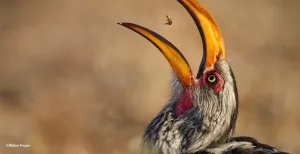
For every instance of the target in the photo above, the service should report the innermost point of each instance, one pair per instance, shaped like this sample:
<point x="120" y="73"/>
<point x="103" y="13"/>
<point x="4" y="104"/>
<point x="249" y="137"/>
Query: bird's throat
<point x="184" y="103"/>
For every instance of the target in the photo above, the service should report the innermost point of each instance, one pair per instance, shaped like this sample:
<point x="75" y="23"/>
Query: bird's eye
<point x="211" y="78"/>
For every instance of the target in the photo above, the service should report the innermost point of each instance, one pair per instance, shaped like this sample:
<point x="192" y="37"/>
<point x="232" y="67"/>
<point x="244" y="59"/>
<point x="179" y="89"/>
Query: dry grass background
<point x="73" y="81"/>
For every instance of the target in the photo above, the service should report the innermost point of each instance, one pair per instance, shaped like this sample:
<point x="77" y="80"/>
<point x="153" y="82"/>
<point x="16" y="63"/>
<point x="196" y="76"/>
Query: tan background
<point x="73" y="81"/>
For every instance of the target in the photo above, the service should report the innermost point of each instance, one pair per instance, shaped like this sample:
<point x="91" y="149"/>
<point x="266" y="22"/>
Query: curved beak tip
<point x="121" y="23"/>
<point x="170" y="52"/>
<point x="212" y="37"/>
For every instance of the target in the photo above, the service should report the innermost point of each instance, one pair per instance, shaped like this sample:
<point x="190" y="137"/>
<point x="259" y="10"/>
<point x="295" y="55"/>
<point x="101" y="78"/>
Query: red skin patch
<point x="218" y="85"/>
<point x="185" y="101"/>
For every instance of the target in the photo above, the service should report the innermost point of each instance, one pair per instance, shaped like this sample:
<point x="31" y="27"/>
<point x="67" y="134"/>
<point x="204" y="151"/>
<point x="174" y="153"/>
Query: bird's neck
<point x="195" y="130"/>
<point x="191" y="132"/>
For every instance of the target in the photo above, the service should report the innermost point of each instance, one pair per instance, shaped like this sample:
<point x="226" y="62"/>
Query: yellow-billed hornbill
<point x="202" y="111"/>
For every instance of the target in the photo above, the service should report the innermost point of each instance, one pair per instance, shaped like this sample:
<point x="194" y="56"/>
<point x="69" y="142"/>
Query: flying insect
<point x="169" y="20"/>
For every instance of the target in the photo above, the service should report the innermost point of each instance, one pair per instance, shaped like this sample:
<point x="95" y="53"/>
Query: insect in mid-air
<point x="169" y="20"/>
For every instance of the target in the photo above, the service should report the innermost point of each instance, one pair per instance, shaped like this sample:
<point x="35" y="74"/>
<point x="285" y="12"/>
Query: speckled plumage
<point x="201" y="114"/>
<point x="243" y="145"/>
<point x="211" y="120"/>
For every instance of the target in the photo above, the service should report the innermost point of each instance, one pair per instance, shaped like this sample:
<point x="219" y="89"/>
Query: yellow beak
<point x="170" y="52"/>
<point x="213" y="46"/>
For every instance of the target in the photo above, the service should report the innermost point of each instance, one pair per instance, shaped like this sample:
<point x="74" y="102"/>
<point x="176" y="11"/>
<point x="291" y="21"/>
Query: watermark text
<point x="12" y="145"/>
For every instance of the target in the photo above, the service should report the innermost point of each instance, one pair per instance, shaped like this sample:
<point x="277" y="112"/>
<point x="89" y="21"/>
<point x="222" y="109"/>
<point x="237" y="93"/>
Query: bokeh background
<point x="72" y="81"/>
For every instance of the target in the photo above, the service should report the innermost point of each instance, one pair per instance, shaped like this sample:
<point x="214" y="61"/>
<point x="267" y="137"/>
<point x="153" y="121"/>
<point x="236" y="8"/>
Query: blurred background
<point x="73" y="81"/>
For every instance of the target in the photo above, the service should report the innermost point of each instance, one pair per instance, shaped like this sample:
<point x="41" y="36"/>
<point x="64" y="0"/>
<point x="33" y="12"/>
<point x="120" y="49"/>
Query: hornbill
<point x="201" y="114"/>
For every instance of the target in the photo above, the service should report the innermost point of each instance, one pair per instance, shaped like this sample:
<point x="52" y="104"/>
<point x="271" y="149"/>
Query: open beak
<point x="212" y="40"/>
<point x="170" y="52"/>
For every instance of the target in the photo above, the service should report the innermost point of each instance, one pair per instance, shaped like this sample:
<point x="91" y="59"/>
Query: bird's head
<point x="202" y="109"/>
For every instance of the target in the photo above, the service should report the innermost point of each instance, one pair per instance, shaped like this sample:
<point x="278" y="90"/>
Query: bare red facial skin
<point x="216" y="86"/>
<point x="184" y="103"/>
